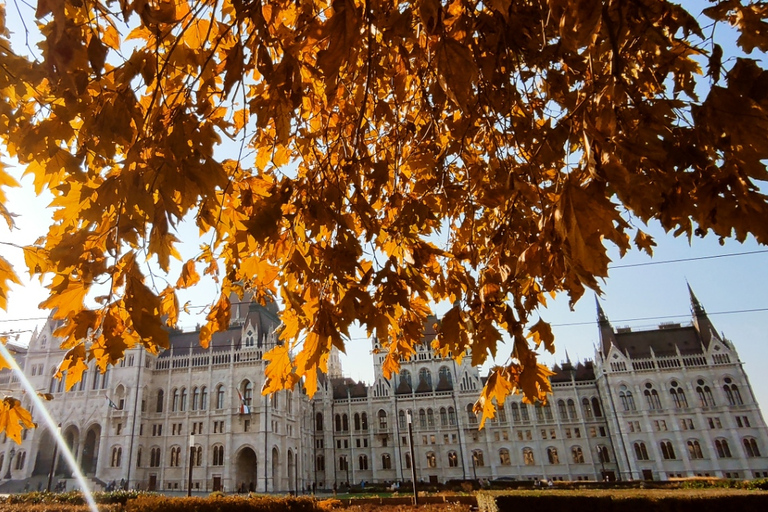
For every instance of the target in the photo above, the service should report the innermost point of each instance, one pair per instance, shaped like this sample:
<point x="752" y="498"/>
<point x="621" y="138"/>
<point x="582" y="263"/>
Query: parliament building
<point x="656" y="404"/>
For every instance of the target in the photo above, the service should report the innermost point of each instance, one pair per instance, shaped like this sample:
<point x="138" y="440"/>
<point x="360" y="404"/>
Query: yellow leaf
<point x="218" y="320"/>
<point x="541" y="332"/>
<point x="189" y="276"/>
<point x="279" y="373"/>
<point x="6" y="274"/>
<point x="74" y="365"/>
<point x="13" y="417"/>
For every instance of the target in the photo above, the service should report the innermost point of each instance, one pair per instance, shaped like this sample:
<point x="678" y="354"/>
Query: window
<point x="138" y="458"/>
<point x="406" y="376"/>
<point x="218" y="455"/>
<point x="652" y="397"/>
<point x="117" y="457"/>
<point x="364" y="420"/>
<point x="160" y="396"/>
<point x="552" y="456"/>
<point x="627" y="401"/>
<point x="408" y="461"/>
<point x="422" y="418"/>
<point x="175" y="401"/>
<point x="451" y="416"/>
<point x="195" y="398"/>
<point x="382" y="419"/>
<point x="197" y="456"/>
<point x="248" y="393"/>
<point x="430" y="418"/>
<point x="183" y="400"/>
<point x="443" y="417"/>
<point x="220" y="396"/>
<point x="694" y="450"/>
<point x="561" y="410"/>
<point x="362" y="462"/>
<point x="431" y="460"/>
<point x="477" y="458"/>
<point x="602" y="454"/>
<point x="357" y="421"/>
<point x="344" y="422"/>
<point x="539" y="412"/>
<point x="444" y="374"/>
<point x="425" y="376"/>
<point x="21" y="457"/>
<point x="319" y="422"/>
<point x="572" y="410"/>
<point x="678" y="395"/>
<point x="524" y="413"/>
<point x="586" y="408"/>
<point x="577" y="455"/>
<point x="154" y="458"/>
<point x="175" y="456"/>
<point x="705" y="394"/>
<point x="471" y="417"/>
<point x="641" y="453"/>
<point x="343" y="464"/>
<point x="732" y="393"/>
<point x="528" y="458"/>
<point x="401" y="416"/>
<point x="203" y="398"/>
<point x="722" y="448"/>
<point x="453" y="460"/>
<point x="320" y="463"/>
<point x="504" y="457"/>
<point x="667" y="451"/>
<point x="750" y="447"/>
<point x="515" y="413"/>
<point x="386" y="461"/>
<point x="502" y="413"/>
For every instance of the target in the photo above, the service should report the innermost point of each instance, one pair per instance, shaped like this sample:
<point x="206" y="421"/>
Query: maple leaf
<point x="73" y="365"/>
<point x="6" y="274"/>
<point x="13" y="418"/>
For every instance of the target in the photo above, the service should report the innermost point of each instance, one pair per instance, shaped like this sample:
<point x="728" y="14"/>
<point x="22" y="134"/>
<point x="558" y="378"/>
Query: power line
<point x="639" y="319"/>
<point x="664" y="262"/>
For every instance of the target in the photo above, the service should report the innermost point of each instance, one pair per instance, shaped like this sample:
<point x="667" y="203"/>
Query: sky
<point x="729" y="280"/>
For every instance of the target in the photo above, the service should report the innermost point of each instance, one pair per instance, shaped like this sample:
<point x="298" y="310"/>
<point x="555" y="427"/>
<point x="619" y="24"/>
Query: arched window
<point x="345" y="422"/>
<point x="175" y="450"/>
<point x="175" y="401"/>
<point x="602" y="453"/>
<point x="443" y="417"/>
<point x="430" y="418"/>
<point x="319" y="422"/>
<point x="596" y="410"/>
<point x="705" y="394"/>
<point x="539" y="412"/>
<point x="641" y="452"/>
<point x="678" y="395"/>
<point x="382" y="419"/>
<point x="548" y="412"/>
<point x="343" y="465"/>
<point x="524" y="413"/>
<point x="218" y="455"/>
<point x="552" y="456"/>
<point x="117" y="457"/>
<point x="451" y="416"/>
<point x="338" y="423"/>
<point x="477" y="458"/>
<point x="160" y="398"/>
<point x="401" y="416"/>
<point x="406" y="376"/>
<point x="386" y="461"/>
<point x="722" y="448"/>
<point x="694" y="450"/>
<point x="515" y="412"/>
<point x="425" y="376"/>
<point x="444" y="374"/>
<point x="203" y="398"/>
<point x="667" y="450"/>
<point x="750" y="447"/>
<point x="586" y="408"/>
<point x="21" y="458"/>
<point x="561" y="410"/>
<point x="422" y="419"/>
<point x="732" y="392"/>
<point x="195" y="398"/>
<point x="248" y="393"/>
<point x="431" y="460"/>
<point x="320" y="463"/>
<point x="154" y="458"/>
<point x="357" y="421"/>
<point x="528" y="457"/>
<point x="197" y="456"/>
<point x="627" y="400"/>
<point x="362" y="462"/>
<point x="453" y="460"/>
<point x="504" y="457"/>
<point x="652" y="397"/>
<point x="572" y="410"/>
<point x="577" y="455"/>
<point x="183" y="400"/>
<point x="220" y="396"/>
<point x="138" y="458"/>
<point x="364" y="419"/>
<point x="471" y="417"/>
<point x="407" y="461"/>
<point x="502" y="413"/>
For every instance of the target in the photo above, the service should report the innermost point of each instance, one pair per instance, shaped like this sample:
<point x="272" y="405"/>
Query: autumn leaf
<point x="6" y="275"/>
<point x="13" y="418"/>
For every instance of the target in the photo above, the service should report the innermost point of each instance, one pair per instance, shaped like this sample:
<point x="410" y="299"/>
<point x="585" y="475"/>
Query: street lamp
<point x="10" y="460"/>
<point x="191" y="462"/>
<point x="413" y="458"/>
<point x="602" y="463"/>
<point x="474" y="464"/>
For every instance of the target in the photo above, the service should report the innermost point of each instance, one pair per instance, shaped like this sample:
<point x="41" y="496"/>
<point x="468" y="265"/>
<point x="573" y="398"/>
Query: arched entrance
<point x="71" y="439"/>
<point x="275" y="470"/>
<point x="90" y="458"/>
<point x="246" y="470"/>
<point x="44" y="459"/>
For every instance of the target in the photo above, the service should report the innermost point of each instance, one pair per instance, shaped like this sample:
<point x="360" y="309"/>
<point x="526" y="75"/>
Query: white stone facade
<point x="616" y="418"/>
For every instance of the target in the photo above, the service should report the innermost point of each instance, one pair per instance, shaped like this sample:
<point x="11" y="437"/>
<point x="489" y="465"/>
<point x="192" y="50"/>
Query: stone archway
<point x="71" y="439"/>
<point x="276" y="470"/>
<point x="90" y="458"/>
<point x="291" y="472"/>
<point x="44" y="458"/>
<point x="246" y="470"/>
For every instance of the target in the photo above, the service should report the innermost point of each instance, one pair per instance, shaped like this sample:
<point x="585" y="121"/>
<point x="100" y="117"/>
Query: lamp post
<point x="191" y="462"/>
<point x="10" y="461"/>
<point x="53" y="463"/>
<point x="474" y="465"/>
<point x="413" y="459"/>
<point x="602" y="463"/>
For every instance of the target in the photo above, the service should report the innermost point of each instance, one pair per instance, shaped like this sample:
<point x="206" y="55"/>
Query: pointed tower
<point x="606" y="330"/>
<point x="334" y="364"/>
<point x="701" y="321"/>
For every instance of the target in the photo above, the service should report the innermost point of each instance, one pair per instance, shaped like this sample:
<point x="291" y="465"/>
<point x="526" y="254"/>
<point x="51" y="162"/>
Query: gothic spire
<point x="696" y="306"/>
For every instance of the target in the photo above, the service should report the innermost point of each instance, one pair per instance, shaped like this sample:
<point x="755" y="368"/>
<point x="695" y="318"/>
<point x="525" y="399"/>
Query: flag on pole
<point x="244" y="408"/>
<point x="111" y="403"/>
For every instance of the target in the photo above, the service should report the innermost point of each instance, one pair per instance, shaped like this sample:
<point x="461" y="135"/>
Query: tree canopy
<point x="364" y="159"/>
